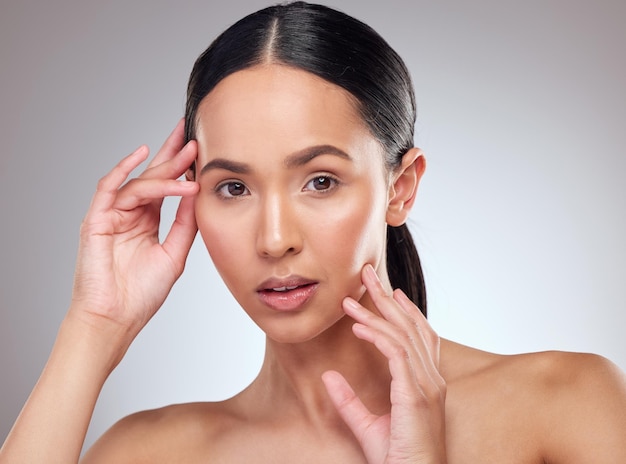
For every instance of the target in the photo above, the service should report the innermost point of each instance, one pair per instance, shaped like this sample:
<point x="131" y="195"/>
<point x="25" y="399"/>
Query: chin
<point x="299" y="330"/>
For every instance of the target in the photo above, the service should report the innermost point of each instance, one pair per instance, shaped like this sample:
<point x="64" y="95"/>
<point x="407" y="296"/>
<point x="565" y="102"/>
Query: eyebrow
<point x="297" y="159"/>
<point x="228" y="165"/>
<point x="302" y="157"/>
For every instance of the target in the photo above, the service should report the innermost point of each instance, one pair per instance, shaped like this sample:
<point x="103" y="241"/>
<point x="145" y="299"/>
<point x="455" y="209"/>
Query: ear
<point x="403" y="186"/>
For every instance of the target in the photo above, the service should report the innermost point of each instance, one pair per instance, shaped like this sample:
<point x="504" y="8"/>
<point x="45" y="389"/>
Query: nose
<point x="278" y="234"/>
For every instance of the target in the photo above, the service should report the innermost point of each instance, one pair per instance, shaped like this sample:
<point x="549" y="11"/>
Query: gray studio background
<point x="520" y="221"/>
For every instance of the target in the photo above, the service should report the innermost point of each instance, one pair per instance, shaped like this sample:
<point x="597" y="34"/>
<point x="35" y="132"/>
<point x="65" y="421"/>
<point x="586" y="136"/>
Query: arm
<point x="54" y="420"/>
<point x="123" y="275"/>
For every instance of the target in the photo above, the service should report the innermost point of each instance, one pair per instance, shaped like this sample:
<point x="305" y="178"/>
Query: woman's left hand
<point x="414" y="431"/>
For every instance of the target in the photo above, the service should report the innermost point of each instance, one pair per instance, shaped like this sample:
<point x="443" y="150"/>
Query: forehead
<point x="279" y="108"/>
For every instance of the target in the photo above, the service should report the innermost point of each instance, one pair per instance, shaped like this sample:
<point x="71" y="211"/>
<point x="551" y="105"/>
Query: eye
<point x="321" y="183"/>
<point x="232" y="189"/>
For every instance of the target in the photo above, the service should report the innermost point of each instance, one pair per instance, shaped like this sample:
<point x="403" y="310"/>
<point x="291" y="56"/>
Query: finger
<point x="172" y="144"/>
<point x="351" y="409"/>
<point x="404" y="346"/>
<point x="399" y="327"/>
<point x="401" y="360"/>
<point x="182" y="233"/>
<point x="414" y="383"/>
<point x="106" y="191"/>
<point x="139" y="192"/>
<point x="402" y="312"/>
<point x="433" y="342"/>
<point x="383" y="301"/>
<point x="176" y="166"/>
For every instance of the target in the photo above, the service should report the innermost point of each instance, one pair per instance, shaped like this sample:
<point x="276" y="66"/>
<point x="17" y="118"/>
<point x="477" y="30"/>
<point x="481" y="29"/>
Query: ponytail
<point x="404" y="267"/>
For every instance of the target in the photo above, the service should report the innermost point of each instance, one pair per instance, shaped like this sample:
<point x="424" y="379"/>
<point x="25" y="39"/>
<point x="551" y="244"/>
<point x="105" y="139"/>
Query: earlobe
<point x="403" y="186"/>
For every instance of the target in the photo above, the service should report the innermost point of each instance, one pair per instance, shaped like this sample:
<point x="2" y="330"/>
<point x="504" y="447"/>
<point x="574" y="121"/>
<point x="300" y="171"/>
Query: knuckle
<point x="443" y="388"/>
<point x="103" y="184"/>
<point x="399" y="351"/>
<point x="430" y="337"/>
<point x="434" y="392"/>
<point x="428" y="397"/>
<point x="419" y="400"/>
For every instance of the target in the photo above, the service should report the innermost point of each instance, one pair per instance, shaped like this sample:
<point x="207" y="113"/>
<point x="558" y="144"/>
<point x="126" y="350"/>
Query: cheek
<point x="339" y="237"/>
<point x="353" y="233"/>
<point x="223" y="235"/>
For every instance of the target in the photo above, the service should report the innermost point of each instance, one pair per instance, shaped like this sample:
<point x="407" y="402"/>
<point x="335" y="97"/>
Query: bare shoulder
<point x="584" y="398"/>
<point x="568" y="407"/>
<point x="175" y="433"/>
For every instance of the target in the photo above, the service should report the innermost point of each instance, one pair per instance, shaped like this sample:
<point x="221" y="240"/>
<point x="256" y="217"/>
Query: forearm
<point x="123" y="275"/>
<point x="52" y="425"/>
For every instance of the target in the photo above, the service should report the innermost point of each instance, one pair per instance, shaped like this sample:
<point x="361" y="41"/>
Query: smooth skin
<point x="356" y="374"/>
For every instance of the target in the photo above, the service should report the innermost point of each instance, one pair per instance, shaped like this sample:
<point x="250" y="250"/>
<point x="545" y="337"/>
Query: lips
<point x="288" y="294"/>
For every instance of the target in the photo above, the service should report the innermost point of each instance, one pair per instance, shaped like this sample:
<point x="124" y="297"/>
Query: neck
<point x="292" y="372"/>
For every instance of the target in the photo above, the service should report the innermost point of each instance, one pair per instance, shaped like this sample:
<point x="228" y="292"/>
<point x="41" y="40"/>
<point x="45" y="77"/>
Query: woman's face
<point x="293" y="197"/>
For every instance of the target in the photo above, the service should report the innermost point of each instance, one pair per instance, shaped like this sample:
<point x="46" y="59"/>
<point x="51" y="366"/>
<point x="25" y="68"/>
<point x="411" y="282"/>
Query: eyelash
<point x="220" y="190"/>
<point x="334" y="183"/>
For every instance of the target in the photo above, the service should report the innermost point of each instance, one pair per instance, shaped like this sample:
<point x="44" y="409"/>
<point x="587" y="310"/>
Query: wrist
<point x="57" y="413"/>
<point x="102" y="340"/>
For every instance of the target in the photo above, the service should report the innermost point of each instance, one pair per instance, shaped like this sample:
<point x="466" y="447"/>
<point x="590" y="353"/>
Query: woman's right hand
<point x="123" y="273"/>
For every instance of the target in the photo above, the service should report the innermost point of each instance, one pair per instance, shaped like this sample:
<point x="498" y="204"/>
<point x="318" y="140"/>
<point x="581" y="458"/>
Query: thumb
<point x="349" y="406"/>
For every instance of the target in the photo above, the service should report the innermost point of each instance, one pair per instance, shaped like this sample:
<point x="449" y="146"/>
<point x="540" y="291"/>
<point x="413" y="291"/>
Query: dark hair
<point x="345" y="52"/>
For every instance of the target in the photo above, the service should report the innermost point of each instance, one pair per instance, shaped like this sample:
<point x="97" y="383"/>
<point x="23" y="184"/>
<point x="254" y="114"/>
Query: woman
<point x="300" y="176"/>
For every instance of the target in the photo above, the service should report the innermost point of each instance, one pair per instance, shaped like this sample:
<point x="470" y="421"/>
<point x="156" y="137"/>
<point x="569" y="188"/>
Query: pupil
<point x="235" y="188"/>
<point x="322" y="183"/>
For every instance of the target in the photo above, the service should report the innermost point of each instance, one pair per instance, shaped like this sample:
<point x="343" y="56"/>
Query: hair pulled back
<point x="346" y="52"/>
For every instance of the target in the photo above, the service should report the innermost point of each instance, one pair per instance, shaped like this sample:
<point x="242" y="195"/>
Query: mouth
<point x="288" y="294"/>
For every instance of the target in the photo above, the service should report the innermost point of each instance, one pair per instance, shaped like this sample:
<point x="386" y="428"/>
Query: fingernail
<point x="370" y="272"/>
<point x="350" y="303"/>
<point x="398" y="294"/>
